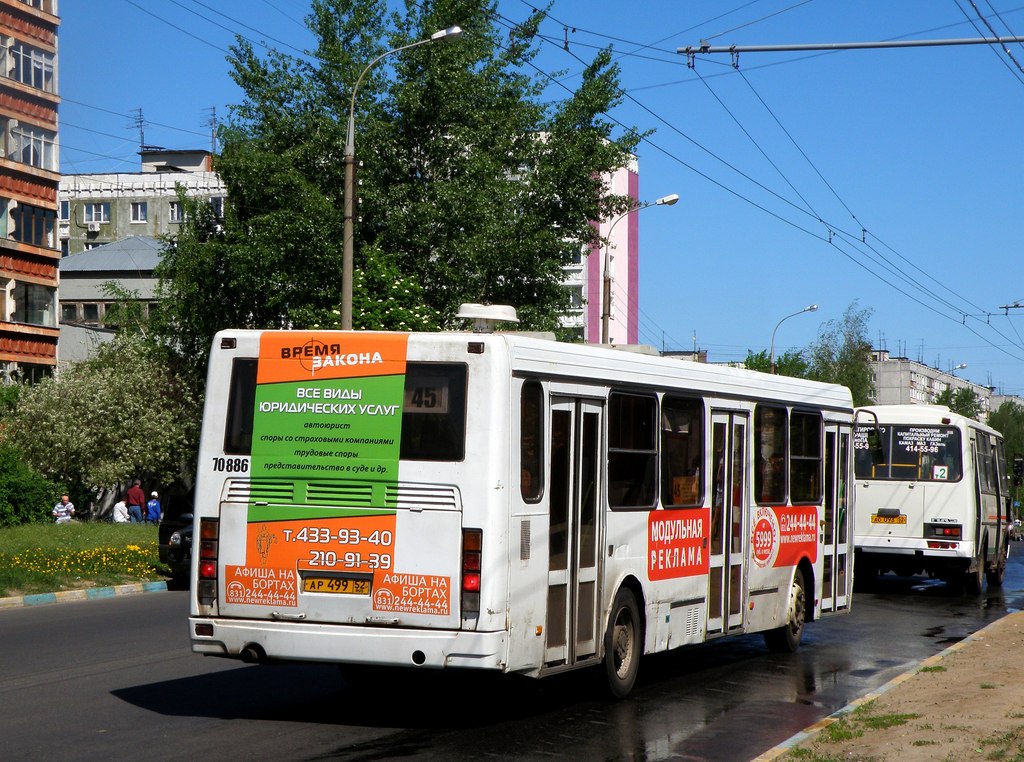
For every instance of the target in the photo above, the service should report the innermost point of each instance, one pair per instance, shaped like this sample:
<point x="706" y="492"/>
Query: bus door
<point x="835" y="522"/>
<point x="728" y="497"/>
<point x="573" y="533"/>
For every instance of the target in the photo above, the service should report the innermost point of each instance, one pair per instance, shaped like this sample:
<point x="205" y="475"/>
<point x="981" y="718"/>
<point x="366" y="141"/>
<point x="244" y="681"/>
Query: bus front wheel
<point x="786" y="639"/>
<point x="622" y="644"/>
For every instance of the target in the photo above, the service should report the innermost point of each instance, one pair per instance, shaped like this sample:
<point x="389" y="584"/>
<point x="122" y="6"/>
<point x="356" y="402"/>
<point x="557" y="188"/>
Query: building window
<point x="91" y="313"/>
<point x="33" y="224"/>
<point x="139" y="211"/>
<point x="177" y="214"/>
<point x="65" y="246"/>
<point x="69" y="313"/>
<point x="217" y="205"/>
<point x="89" y="245"/>
<point x="34" y="305"/>
<point x="34" y="146"/>
<point x="96" y="212"/>
<point x="65" y="211"/>
<point x="31" y="66"/>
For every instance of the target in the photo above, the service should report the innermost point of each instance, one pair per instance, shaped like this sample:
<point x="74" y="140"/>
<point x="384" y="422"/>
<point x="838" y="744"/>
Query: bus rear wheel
<point x="786" y="639"/>
<point x="622" y="644"/>
<point x="994" y="577"/>
<point x="974" y="580"/>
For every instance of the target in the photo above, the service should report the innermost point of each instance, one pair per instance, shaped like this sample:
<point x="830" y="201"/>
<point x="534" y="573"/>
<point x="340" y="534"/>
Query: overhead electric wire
<point x="962" y="315"/>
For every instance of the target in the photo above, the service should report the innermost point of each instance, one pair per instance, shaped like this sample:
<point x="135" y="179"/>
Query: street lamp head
<point x="812" y="308"/>
<point x="667" y="200"/>
<point x="451" y="33"/>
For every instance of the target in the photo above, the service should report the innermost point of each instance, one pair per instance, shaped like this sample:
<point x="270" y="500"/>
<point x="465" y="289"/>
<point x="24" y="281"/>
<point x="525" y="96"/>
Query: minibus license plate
<point x="876" y="519"/>
<point x="344" y="585"/>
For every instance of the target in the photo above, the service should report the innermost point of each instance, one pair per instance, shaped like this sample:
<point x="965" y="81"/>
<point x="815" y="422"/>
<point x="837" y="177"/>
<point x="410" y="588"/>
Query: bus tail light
<point x="472" y="542"/>
<point x="206" y="587"/>
<point x="943" y="532"/>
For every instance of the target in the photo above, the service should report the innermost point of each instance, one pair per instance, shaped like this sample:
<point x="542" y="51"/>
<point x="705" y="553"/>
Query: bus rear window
<point x="433" y="411"/>
<point x="911" y="453"/>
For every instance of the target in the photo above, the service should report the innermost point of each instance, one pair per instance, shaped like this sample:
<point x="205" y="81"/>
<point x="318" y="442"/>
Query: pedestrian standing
<point x="136" y="502"/>
<point x="153" y="512"/>
<point x="64" y="510"/>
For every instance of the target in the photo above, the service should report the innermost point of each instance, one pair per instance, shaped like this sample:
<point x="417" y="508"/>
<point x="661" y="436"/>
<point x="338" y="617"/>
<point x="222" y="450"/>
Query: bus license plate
<point x="876" y="519"/>
<point x="343" y="585"/>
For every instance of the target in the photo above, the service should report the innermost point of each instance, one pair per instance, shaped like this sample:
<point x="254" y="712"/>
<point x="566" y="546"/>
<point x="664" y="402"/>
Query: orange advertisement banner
<point x="677" y="543"/>
<point x="304" y="355"/>
<point x="334" y="544"/>
<point x="412" y="593"/>
<point x="261" y="586"/>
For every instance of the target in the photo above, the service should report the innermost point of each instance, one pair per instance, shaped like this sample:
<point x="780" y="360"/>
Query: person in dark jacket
<point x="136" y="502"/>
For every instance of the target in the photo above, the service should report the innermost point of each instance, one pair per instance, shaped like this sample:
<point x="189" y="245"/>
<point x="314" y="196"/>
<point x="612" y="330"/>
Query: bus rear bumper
<point x="909" y="546"/>
<point x="261" y="640"/>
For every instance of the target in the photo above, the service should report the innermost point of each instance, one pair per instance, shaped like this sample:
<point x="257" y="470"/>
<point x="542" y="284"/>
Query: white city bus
<point x="506" y="502"/>
<point x="935" y="500"/>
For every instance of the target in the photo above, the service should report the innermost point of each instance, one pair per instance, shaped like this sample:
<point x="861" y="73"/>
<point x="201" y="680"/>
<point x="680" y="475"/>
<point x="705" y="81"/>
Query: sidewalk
<point x="966" y="702"/>
<point x="41" y="599"/>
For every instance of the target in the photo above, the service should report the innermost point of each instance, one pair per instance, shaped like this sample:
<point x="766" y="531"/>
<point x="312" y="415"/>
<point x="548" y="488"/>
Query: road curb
<point x="64" y="596"/>
<point x="809" y="732"/>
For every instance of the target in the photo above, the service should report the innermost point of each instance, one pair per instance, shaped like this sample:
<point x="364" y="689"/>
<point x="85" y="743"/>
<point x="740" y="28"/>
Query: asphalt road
<point x="115" y="678"/>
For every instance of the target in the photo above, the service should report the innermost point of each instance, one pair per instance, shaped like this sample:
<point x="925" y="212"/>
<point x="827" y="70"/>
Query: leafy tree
<point x="963" y="401"/>
<point x="1008" y="420"/>
<point x="471" y="188"/>
<point x="26" y="496"/>
<point x="842" y="354"/>
<point x="100" y="422"/>
<point x="787" y="364"/>
<point x="126" y="312"/>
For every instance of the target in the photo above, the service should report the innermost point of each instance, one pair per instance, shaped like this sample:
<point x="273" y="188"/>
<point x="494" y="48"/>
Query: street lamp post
<point x="450" y="33"/>
<point x="771" y="355"/>
<point x="606" y="300"/>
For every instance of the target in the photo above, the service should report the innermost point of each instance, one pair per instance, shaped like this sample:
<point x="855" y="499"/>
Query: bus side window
<point x="241" y="407"/>
<point x="770" y="454"/>
<point x="805" y="457"/>
<point x="682" y="451"/>
<point x="632" y="450"/>
<point x="531" y="439"/>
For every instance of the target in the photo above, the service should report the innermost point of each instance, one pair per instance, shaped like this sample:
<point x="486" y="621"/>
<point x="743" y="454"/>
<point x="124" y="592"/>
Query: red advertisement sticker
<point x="677" y="543"/>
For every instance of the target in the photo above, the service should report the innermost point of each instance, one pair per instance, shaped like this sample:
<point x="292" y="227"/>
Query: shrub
<point x="26" y="496"/>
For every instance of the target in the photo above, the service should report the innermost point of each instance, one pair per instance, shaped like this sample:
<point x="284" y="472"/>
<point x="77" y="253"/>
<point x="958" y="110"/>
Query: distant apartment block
<point x="585" y="277"/>
<point x="97" y="209"/>
<point x="29" y="179"/>
<point x="900" y="381"/>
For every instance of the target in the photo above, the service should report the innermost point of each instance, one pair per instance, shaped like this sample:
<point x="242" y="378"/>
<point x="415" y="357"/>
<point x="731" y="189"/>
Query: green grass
<point x="932" y="669"/>
<point x="48" y="558"/>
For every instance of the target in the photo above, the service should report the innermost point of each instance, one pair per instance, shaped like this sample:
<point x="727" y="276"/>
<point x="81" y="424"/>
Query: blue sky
<point x="886" y="179"/>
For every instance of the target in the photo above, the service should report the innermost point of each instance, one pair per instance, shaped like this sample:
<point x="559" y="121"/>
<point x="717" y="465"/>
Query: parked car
<point x="1015" y="531"/>
<point x="175" y="543"/>
<point x="179" y="553"/>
